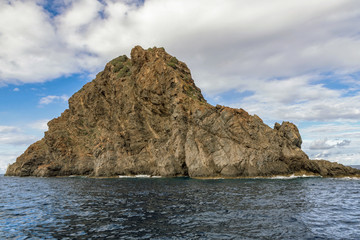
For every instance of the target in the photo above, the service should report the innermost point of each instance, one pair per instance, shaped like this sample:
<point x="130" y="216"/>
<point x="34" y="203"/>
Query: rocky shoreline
<point x="144" y="115"/>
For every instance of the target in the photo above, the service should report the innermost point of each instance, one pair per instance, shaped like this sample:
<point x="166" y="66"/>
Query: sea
<point x="145" y="207"/>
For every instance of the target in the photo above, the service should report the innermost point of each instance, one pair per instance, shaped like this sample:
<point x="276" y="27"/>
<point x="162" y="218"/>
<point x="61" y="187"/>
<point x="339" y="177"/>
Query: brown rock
<point x="145" y="115"/>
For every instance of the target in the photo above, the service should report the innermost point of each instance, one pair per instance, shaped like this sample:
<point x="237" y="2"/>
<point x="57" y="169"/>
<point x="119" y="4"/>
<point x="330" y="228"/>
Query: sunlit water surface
<point x="179" y="208"/>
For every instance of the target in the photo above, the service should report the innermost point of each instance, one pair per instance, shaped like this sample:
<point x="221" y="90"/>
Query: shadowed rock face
<point x="145" y="115"/>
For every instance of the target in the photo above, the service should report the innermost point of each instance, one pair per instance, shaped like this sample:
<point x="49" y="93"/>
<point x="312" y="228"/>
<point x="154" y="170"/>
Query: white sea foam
<point x="139" y="176"/>
<point x="77" y="176"/>
<point x="349" y="178"/>
<point x="143" y="176"/>
<point x="294" y="176"/>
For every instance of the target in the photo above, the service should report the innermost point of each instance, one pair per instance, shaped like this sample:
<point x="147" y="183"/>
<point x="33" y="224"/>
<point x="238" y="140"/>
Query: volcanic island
<point x="145" y="115"/>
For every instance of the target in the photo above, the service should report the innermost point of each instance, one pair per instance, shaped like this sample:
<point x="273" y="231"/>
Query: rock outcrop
<point x="145" y="115"/>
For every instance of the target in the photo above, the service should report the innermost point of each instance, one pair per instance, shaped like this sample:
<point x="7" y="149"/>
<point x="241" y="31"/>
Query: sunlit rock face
<point x="144" y="115"/>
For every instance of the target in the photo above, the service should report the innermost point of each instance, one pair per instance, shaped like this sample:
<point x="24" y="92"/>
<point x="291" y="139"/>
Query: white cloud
<point x="335" y="130"/>
<point x="320" y="145"/>
<point x="52" y="98"/>
<point x="31" y="50"/>
<point x="13" y="142"/>
<point x="40" y="125"/>
<point x="324" y="144"/>
<point x="16" y="139"/>
<point x="8" y="129"/>
<point x="8" y="155"/>
<point x="332" y="141"/>
<point x="11" y="135"/>
<point x="297" y="99"/>
<point x="246" y="39"/>
<point x="5" y="160"/>
<point x="346" y="158"/>
<point x="16" y="89"/>
<point x="343" y="143"/>
<point x="276" y="49"/>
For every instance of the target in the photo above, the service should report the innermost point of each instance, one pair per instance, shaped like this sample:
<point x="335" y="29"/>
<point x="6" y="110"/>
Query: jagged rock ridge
<point x="145" y="115"/>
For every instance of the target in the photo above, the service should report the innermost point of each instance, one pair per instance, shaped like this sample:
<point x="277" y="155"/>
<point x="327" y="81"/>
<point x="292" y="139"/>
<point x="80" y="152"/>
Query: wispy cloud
<point x="9" y="129"/>
<point x="324" y="144"/>
<point x="10" y="135"/>
<point x="332" y="140"/>
<point x="16" y="139"/>
<point x="13" y="141"/>
<point x="52" y="98"/>
<point x="6" y="159"/>
<point x="335" y="130"/>
<point x="39" y="125"/>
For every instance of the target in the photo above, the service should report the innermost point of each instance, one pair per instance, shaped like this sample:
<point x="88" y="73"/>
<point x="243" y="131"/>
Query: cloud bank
<point x="281" y="51"/>
<point x="333" y="141"/>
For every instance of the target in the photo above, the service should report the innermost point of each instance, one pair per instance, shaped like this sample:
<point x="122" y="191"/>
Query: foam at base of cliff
<point x="139" y="176"/>
<point x="294" y="177"/>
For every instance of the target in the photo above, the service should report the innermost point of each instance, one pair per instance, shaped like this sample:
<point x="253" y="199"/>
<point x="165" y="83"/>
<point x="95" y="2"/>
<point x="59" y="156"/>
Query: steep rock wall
<point x="145" y="115"/>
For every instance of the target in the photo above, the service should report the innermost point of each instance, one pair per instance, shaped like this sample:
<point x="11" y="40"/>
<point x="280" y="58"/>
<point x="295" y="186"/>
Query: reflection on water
<point x="81" y="208"/>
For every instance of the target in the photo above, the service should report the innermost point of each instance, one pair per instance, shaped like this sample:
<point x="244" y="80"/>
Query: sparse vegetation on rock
<point x="145" y="115"/>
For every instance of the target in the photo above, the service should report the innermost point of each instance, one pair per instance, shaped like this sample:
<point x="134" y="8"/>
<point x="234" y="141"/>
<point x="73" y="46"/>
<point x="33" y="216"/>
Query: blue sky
<point x="283" y="60"/>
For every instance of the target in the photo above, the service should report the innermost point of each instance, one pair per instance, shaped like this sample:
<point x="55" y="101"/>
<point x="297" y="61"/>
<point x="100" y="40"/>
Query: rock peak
<point x="140" y="55"/>
<point x="155" y="51"/>
<point x="145" y="115"/>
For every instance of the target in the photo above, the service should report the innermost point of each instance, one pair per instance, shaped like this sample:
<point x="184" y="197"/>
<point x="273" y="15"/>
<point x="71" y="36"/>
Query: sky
<point x="282" y="60"/>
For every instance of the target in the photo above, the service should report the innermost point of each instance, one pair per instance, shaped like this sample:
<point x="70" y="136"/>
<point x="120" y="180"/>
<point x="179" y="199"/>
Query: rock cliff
<point x="145" y="115"/>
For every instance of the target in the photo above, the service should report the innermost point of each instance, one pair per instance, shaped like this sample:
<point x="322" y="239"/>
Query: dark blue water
<point x="179" y="208"/>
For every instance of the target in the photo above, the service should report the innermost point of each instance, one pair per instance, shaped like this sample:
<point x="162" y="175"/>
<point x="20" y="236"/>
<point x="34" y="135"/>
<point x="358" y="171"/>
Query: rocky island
<point x="145" y="115"/>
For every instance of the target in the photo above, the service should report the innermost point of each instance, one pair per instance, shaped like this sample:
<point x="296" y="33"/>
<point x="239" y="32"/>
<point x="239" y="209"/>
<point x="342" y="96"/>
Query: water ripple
<point x="160" y="208"/>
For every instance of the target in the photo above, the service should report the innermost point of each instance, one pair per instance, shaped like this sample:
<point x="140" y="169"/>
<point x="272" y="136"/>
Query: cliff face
<point x="145" y="115"/>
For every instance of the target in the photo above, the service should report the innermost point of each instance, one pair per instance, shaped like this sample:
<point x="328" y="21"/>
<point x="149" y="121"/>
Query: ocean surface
<point x="179" y="208"/>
